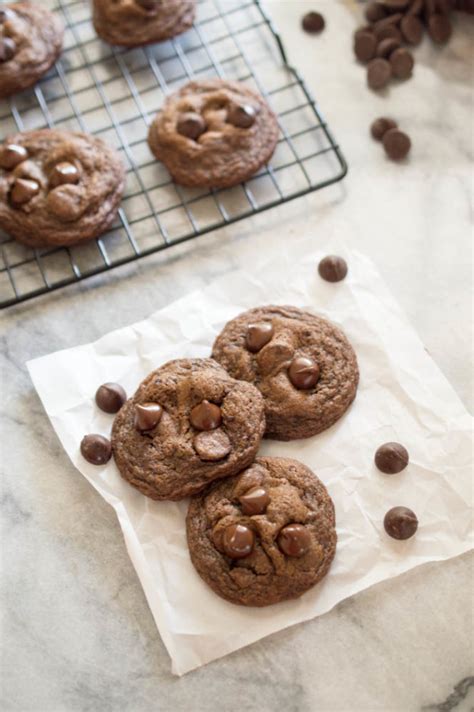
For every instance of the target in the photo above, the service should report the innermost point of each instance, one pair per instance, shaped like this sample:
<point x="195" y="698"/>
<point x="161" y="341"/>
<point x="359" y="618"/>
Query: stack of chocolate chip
<point x="393" y="23"/>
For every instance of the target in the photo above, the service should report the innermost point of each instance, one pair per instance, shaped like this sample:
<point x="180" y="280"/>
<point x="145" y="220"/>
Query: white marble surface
<point x="76" y="632"/>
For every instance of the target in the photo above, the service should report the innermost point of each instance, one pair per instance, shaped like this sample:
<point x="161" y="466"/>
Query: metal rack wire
<point x="115" y="93"/>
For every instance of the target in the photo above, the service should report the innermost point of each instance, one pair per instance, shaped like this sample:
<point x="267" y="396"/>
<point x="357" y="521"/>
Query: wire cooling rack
<point x="115" y="93"/>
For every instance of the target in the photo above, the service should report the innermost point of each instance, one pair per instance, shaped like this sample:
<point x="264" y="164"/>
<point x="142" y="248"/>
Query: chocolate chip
<point x="7" y="49"/>
<point x="365" y="45"/>
<point x="332" y="268"/>
<point x="212" y="445"/>
<point x="416" y="7"/>
<point x="303" y="373"/>
<point x="191" y="125"/>
<point x="255" y="501"/>
<point x="396" y="144"/>
<point x="258" y="335"/>
<point x="23" y="191"/>
<point x="386" y="47"/>
<point x="205" y="416"/>
<point x="294" y="540"/>
<point x="374" y="12"/>
<point x="380" y="127"/>
<point x="241" y="115"/>
<point x="391" y="458"/>
<point x="402" y="63"/>
<point x="412" y="29"/>
<point x="63" y="172"/>
<point x="313" y="22"/>
<point x="362" y="30"/>
<point x="388" y="32"/>
<point x="396" y="4"/>
<point x="238" y="541"/>
<point x="439" y="28"/>
<point x="148" y="4"/>
<point x="110" y="397"/>
<point x="96" y="449"/>
<point x="11" y="155"/>
<point x="147" y="416"/>
<point x="379" y="72"/>
<point x="400" y="523"/>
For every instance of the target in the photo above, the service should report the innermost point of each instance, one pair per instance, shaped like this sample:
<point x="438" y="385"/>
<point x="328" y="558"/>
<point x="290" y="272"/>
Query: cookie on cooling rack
<point x="188" y="424"/>
<point x="133" y="23"/>
<point x="265" y="536"/>
<point x="303" y="365"/>
<point x="31" y="39"/>
<point x="58" y="187"/>
<point x="214" y="133"/>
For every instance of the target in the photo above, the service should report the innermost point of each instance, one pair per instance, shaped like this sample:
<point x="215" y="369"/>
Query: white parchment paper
<point x="402" y="396"/>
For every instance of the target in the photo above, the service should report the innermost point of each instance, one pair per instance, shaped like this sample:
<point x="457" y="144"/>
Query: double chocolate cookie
<point x="303" y="365"/>
<point x="58" y="187"/>
<point x="214" y="133"/>
<point x="133" y="23"/>
<point x="264" y="536"/>
<point x="188" y="424"/>
<point x="31" y="39"/>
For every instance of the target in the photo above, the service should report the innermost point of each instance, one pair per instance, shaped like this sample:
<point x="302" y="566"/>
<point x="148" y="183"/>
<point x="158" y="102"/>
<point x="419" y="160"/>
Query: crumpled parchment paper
<point x="402" y="396"/>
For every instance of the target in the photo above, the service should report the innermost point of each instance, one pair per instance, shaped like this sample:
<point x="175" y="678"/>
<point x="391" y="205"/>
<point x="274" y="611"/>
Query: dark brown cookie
<point x="189" y="423"/>
<point x="133" y="23"/>
<point x="58" y="187"/>
<point x="31" y="39"/>
<point x="214" y="133"/>
<point x="265" y="536"/>
<point x="303" y="365"/>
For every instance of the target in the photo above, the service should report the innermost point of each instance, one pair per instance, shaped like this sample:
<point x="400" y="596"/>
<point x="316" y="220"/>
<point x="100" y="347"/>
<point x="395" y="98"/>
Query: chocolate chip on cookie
<point x="58" y="187"/>
<point x="265" y="535"/>
<point x="306" y="370"/>
<point x="258" y="335"/>
<point x="232" y="133"/>
<point x="31" y="39"/>
<point x="188" y="424"/>
<point x="133" y="23"/>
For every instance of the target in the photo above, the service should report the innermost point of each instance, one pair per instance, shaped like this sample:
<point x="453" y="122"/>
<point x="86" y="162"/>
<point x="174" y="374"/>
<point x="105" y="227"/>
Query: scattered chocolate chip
<point x="313" y="22"/>
<point x="332" y="268"/>
<point x="388" y="32"/>
<point x="241" y="115"/>
<point x="416" y="7"/>
<point x="23" y="191"/>
<point x="412" y="29"/>
<point x="258" y="335"/>
<point x="380" y="127"/>
<point x="379" y="72"/>
<point x="439" y="28"/>
<point x="365" y="46"/>
<point x="147" y="416"/>
<point x="374" y="12"/>
<point x="303" y="373"/>
<point x="390" y="20"/>
<point x="110" y="397"/>
<point x="362" y="30"/>
<point x="238" y="541"/>
<point x="212" y="445"/>
<point x="206" y="416"/>
<point x="191" y="125"/>
<point x="396" y="144"/>
<point x="255" y="501"/>
<point x="64" y="172"/>
<point x="386" y="47"/>
<point x="402" y="63"/>
<point x="11" y="155"/>
<point x="294" y="540"/>
<point x="400" y="523"/>
<point x="7" y="49"/>
<point x="391" y="458"/>
<point x="96" y="449"/>
<point x="148" y="4"/>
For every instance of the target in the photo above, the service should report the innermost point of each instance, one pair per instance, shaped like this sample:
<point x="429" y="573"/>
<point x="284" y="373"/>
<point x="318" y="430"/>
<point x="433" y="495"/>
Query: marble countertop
<point x="77" y="633"/>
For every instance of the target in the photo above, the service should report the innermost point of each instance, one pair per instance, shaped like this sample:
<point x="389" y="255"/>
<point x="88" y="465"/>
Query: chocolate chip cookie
<point x="31" y="39"/>
<point x="133" y="23"/>
<point x="264" y="536"/>
<point x="188" y="424"/>
<point x="214" y="133"/>
<point x="303" y="365"/>
<point x="58" y="187"/>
